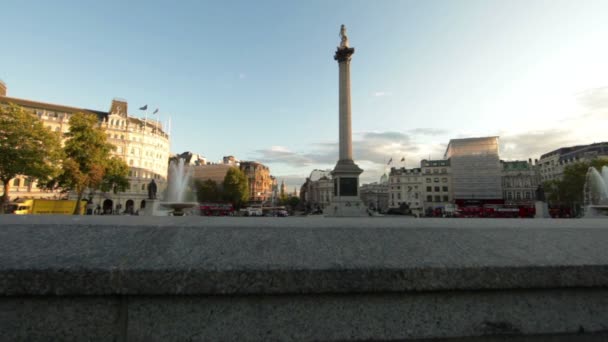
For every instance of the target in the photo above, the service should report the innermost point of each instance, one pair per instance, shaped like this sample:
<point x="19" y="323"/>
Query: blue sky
<point x="257" y="79"/>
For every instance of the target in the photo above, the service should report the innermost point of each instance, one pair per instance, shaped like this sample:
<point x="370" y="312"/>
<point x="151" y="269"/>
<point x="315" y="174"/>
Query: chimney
<point x="2" y="88"/>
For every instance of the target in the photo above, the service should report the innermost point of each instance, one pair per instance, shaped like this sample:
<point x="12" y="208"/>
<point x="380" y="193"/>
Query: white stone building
<point x="141" y="143"/>
<point x="405" y="187"/>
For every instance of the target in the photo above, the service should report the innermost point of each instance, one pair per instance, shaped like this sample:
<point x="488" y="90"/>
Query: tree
<point x="236" y="187"/>
<point x="26" y="148"/>
<point x="569" y="190"/>
<point x="115" y="177"/>
<point x="207" y="191"/>
<point x="87" y="156"/>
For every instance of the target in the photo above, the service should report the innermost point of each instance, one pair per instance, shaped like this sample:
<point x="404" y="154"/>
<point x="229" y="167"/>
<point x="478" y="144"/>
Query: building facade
<point x="476" y="170"/>
<point x="437" y="189"/>
<point x="141" y="143"/>
<point x="405" y="187"/>
<point x="520" y="179"/>
<point x="551" y="165"/>
<point x="317" y="191"/>
<point x="262" y="186"/>
<point x="375" y="195"/>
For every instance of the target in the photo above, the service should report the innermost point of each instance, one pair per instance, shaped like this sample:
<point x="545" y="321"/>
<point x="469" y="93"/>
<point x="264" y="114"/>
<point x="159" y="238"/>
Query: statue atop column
<point x="343" y="37"/>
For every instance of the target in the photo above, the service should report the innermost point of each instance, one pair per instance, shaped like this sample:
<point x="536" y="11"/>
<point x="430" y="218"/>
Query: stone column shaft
<point x="346" y="144"/>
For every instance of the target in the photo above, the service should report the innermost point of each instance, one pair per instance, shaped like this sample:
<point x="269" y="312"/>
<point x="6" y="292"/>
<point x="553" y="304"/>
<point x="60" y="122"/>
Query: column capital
<point x="344" y="54"/>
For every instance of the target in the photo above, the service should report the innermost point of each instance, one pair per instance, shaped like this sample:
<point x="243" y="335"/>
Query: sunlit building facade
<point x="262" y="186"/>
<point x="141" y="143"/>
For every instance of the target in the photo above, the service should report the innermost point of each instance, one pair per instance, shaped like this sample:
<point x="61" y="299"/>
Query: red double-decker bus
<point x="216" y="209"/>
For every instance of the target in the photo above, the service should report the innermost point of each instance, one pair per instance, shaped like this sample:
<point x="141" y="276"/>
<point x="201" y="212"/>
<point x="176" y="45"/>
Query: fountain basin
<point x="178" y="207"/>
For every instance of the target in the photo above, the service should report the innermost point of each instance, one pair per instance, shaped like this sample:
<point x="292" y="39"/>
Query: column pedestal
<point x="542" y="209"/>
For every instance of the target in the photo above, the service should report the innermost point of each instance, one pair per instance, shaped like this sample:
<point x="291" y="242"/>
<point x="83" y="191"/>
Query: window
<point x="436" y="180"/>
<point x="132" y="150"/>
<point x="131" y="162"/>
<point x="27" y="182"/>
<point x="444" y="170"/>
<point x="509" y="195"/>
<point x="429" y="198"/>
<point x="435" y="170"/>
<point x="427" y="170"/>
<point x="143" y="186"/>
<point x="518" y="195"/>
<point x="416" y="196"/>
<point x="399" y="196"/>
<point x="445" y="198"/>
<point x="437" y="198"/>
<point x="436" y="189"/>
<point x="17" y="182"/>
<point x="527" y="194"/>
<point x="444" y="188"/>
<point x="428" y="180"/>
<point x="444" y="180"/>
<point x="429" y="189"/>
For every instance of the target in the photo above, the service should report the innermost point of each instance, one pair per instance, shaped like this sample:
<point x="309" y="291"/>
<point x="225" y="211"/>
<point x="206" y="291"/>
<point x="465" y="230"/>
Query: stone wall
<point x="302" y="279"/>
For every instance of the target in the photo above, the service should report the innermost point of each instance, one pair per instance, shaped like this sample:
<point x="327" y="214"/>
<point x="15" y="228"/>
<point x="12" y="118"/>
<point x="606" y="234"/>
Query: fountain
<point x="596" y="193"/>
<point x="179" y="179"/>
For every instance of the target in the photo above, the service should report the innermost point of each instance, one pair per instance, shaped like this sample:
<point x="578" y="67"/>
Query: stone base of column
<point x="346" y="201"/>
<point x="346" y="206"/>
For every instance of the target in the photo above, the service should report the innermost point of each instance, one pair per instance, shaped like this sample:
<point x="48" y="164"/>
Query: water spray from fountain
<point x="179" y="181"/>
<point x="596" y="192"/>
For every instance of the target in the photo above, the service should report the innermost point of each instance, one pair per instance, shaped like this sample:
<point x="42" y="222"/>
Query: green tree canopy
<point x="207" y="191"/>
<point x="115" y="177"/>
<point x="569" y="190"/>
<point x="26" y="148"/>
<point x="87" y="156"/>
<point x="236" y="187"/>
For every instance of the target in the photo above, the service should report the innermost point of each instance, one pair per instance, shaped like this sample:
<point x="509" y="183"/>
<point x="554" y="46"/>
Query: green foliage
<point x="26" y="147"/>
<point x="115" y="177"/>
<point x="87" y="156"/>
<point x="569" y="190"/>
<point x="236" y="187"/>
<point x="293" y="201"/>
<point x="207" y="191"/>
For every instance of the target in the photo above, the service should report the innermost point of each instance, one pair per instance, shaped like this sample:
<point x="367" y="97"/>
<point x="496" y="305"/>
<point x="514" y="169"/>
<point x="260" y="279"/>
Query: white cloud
<point x="382" y="93"/>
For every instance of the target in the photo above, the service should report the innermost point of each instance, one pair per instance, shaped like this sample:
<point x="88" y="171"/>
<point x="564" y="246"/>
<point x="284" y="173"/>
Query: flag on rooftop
<point x="144" y="107"/>
<point x="403" y="159"/>
<point x="155" y="111"/>
<point x="389" y="161"/>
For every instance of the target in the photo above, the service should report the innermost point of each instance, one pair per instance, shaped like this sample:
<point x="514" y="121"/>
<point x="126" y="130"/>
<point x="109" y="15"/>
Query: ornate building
<point x="520" y="179"/>
<point x="405" y="187"/>
<point x="142" y="144"/>
<point x="318" y="190"/>
<point x="262" y="186"/>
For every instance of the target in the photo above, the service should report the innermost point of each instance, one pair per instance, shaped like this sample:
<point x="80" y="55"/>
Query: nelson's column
<point x="346" y="201"/>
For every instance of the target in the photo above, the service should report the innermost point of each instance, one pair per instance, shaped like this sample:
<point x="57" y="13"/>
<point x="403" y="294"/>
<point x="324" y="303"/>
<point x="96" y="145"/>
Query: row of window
<point x="437" y="189"/>
<point x="435" y="171"/>
<point x="399" y="195"/>
<point x="518" y="195"/>
<point x="436" y="180"/>
<point x="437" y="198"/>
